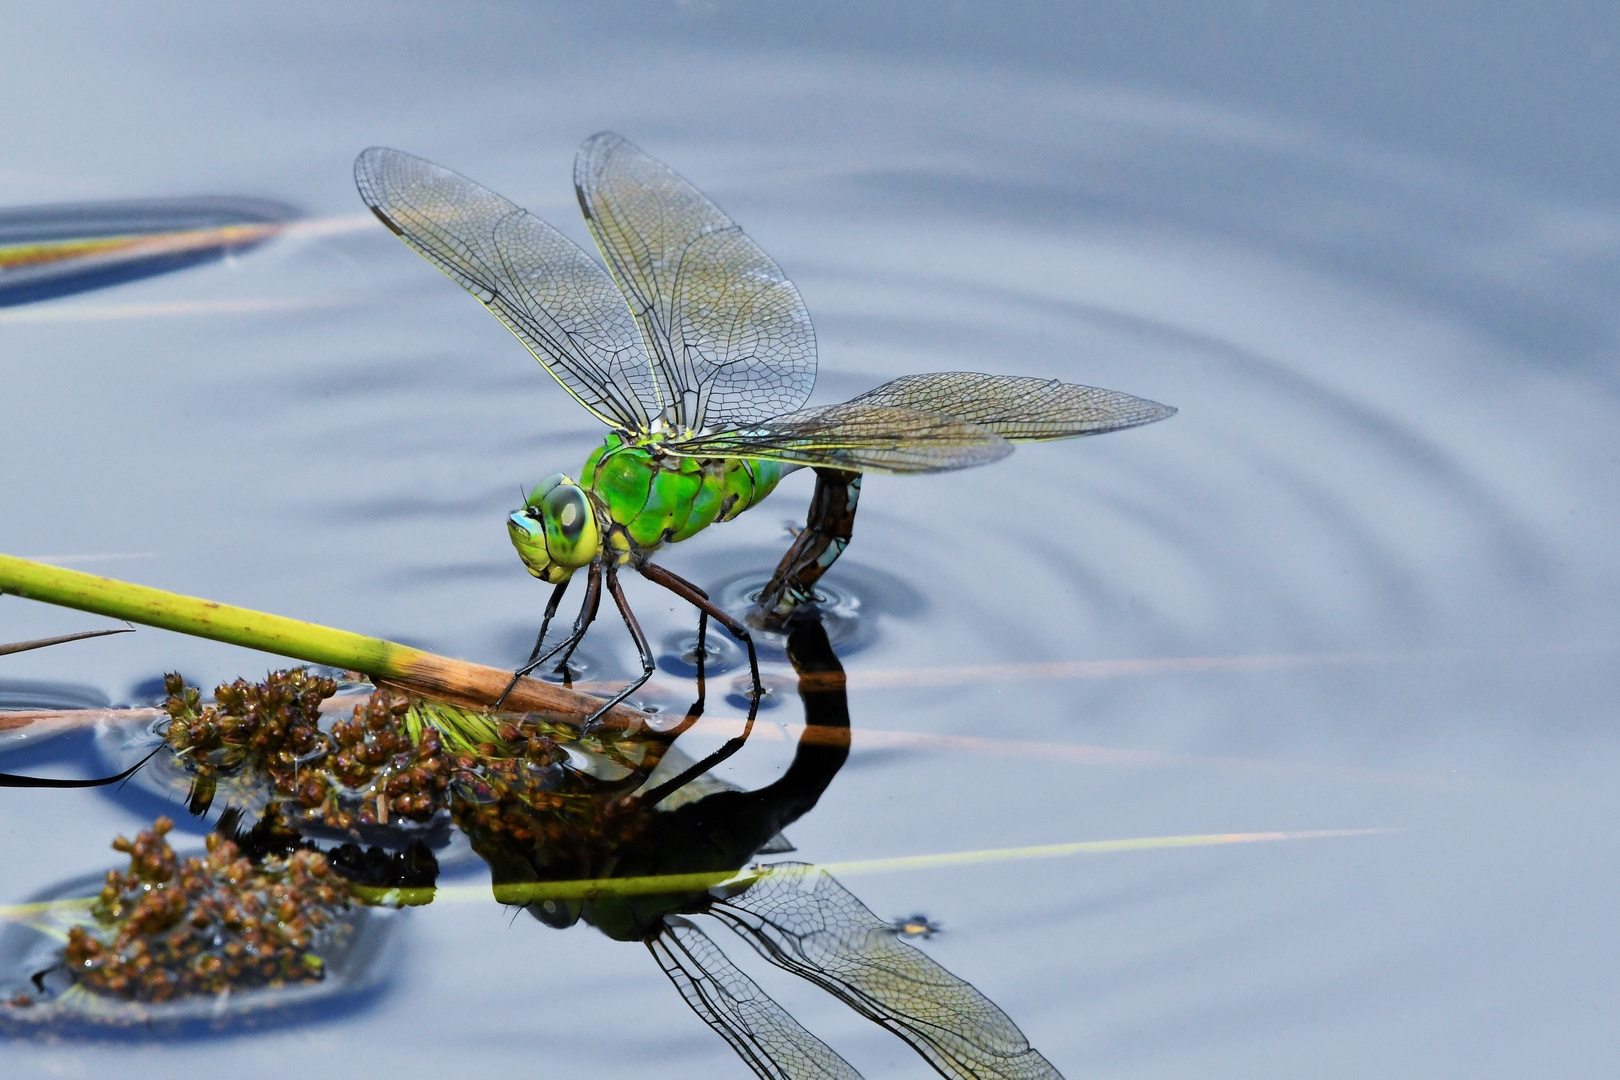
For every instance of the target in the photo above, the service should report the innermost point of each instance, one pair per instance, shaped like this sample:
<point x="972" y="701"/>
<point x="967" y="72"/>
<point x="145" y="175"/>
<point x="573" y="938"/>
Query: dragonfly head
<point x="555" y="532"/>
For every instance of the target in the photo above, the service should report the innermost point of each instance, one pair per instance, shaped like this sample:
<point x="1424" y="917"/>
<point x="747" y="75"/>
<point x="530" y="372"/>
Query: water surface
<point x="1390" y="481"/>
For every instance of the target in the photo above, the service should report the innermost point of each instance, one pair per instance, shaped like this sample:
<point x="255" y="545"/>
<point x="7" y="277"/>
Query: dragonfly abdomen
<point x="659" y="499"/>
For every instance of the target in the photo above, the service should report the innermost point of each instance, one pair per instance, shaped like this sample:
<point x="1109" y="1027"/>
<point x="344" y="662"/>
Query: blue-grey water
<point x="1370" y="253"/>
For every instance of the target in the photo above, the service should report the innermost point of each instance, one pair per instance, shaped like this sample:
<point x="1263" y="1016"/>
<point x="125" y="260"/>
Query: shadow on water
<point x="291" y="918"/>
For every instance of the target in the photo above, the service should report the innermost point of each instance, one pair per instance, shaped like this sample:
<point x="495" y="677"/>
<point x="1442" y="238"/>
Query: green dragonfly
<point x="697" y="352"/>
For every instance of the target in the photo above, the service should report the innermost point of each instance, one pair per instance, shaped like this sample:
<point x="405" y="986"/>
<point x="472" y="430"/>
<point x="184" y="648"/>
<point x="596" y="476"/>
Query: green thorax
<point x="655" y="499"/>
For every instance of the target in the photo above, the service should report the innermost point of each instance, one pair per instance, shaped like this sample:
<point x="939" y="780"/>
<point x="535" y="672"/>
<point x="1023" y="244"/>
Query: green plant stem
<point x="413" y="669"/>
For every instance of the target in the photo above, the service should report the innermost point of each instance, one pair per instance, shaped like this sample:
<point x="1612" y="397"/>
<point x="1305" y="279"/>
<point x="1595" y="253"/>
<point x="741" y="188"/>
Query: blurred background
<point x="1370" y="251"/>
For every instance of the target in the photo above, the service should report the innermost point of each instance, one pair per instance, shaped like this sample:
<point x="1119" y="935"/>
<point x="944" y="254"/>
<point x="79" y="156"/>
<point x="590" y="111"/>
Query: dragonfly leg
<point x="700" y="600"/>
<point x="703" y="628"/>
<point x="582" y="622"/>
<point x="702" y="655"/>
<point x="702" y="658"/>
<point x="545" y="624"/>
<point x="593" y="599"/>
<point x="823" y="746"/>
<point x="702" y="685"/>
<point x="827" y="532"/>
<point x="695" y="710"/>
<point x="647" y="663"/>
<point x="664" y="739"/>
<point x="698" y="768"/>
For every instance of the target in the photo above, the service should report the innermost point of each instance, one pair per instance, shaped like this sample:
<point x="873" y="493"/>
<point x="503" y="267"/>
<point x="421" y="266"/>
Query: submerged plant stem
<point x="413" y="669"/>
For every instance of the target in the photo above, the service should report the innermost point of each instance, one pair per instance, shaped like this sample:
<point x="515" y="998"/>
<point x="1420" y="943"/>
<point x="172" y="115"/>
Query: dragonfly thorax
<point x="631" y="499"/>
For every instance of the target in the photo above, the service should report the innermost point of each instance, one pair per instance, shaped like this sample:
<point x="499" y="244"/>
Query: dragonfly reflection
<point x="794" y="915"/>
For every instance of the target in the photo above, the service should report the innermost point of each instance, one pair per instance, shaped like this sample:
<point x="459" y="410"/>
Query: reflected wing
<point x="1020" y="409"/>
<point x="799" y="918"/>
<point x="857" y="436"/>
<point x="774" y="1045"/>
<point x="550" y="293"/>
<point x="729" y="337"/>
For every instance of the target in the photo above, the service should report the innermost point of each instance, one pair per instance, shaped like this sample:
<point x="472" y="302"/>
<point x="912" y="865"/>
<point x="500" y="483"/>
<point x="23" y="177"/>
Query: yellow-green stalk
<point x="425" y="672"/>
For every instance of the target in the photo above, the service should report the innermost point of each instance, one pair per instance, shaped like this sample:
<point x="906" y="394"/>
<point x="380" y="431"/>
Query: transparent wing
<point x="729" y="337"/>
<point x="1016" y="408"/>
<point x="857" y="436"/>
<point x="799" y="918"/>
<point x="550" y="293"/>
<point x="773" y="1044"/>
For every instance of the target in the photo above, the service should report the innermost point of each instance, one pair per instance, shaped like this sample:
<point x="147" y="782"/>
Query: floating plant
<point x="266" y="738"/>
<point x="206" y="924"/>
<point x="168" y="940"/>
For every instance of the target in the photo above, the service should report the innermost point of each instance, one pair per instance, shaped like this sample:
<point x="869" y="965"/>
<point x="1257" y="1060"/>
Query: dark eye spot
<point x="569" y="511"/>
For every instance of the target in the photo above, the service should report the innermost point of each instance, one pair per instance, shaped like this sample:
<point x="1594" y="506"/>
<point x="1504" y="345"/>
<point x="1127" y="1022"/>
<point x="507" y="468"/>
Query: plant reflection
<point x="620" y="831"/>
<point x="53" y="251"/>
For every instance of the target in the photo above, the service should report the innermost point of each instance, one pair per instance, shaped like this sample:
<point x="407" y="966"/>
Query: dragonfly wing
<point x="799" y="918"/>
<point x="857" y="436"/>
<point x="1018" y="408"/>
<point x="774" y="1045"/>
<point x="729" y="337"/>
<point x="545" y="288"/>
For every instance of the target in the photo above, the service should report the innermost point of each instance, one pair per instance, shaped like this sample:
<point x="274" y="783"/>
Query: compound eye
<point x="569" y="511"/>
<point x="545" y="487"/>
<point x="571" y="532"/>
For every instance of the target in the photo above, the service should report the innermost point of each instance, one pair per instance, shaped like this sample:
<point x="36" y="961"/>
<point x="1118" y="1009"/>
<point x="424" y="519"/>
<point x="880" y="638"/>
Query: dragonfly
<point x="695" y="350"/>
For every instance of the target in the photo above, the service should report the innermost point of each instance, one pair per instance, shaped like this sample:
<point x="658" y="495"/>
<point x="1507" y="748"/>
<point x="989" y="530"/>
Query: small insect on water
<point x="697" y="352"/>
